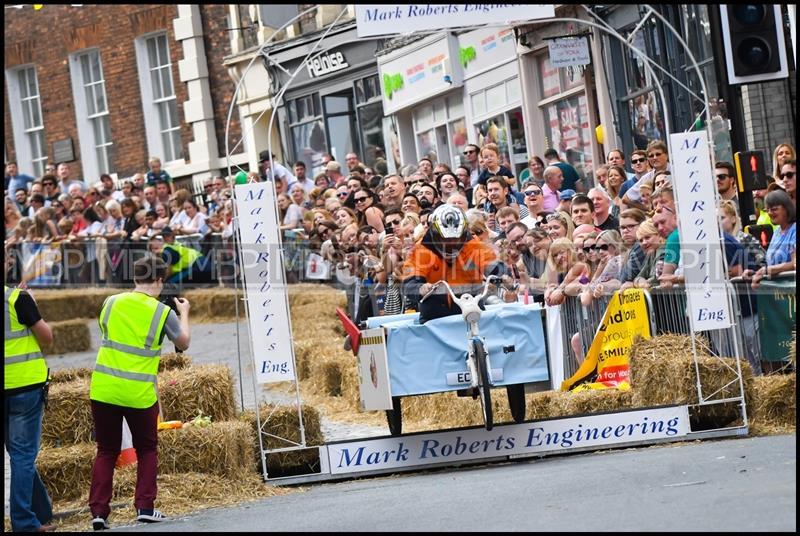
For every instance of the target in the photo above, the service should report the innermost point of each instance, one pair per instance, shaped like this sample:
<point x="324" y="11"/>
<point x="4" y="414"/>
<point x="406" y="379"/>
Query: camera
<point x="168" y="295"/>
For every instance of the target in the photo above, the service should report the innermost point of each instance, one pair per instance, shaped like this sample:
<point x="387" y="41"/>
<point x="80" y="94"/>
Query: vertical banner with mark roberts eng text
<point x="265" y="290"/>
<point x="701" y="250"/>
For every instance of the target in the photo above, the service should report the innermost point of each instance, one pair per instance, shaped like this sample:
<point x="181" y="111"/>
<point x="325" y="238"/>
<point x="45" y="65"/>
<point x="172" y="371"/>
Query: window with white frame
<point x="440" y="130"/>
<point x="159" y="103"/>
<point x="26" y="119"/>
<point x="91" y="110"/>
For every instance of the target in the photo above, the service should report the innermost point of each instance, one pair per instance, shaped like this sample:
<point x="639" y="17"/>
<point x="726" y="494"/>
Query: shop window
<point x="567" y="130"/>
<point x="440" y="130"/>
<point x="370" y="123"/>
<point x="307" y="130"/>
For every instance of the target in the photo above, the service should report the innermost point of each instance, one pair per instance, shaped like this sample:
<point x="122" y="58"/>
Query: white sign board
<point x="416" y="75"/>
<point x="265" y="289"/>
<point x="566" y="51"/>
<point x="533" y="438"/>
<point x="373" y="369"/>
<point x="385" y="19"/>
<point x="700" y="236"/>
<point x="485" y="48"/>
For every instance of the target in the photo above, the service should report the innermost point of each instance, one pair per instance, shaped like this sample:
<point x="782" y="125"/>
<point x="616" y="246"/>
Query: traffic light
<point x="755" y="48"/>
<point x="750" y="176"/>
<point x="750" y="170"/>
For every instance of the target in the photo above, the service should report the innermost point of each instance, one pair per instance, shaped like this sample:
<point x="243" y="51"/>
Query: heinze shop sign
<point x="552" y="436"/>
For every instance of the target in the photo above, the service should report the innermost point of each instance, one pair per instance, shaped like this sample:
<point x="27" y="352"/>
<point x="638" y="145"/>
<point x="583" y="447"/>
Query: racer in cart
<point x="448" y="251"/>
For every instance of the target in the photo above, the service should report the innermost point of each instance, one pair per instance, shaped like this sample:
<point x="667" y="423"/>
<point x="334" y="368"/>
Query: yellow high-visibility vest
<point x="127" y="362"/>
<point x="187" y="256"/>
<point x="24" y="361"/>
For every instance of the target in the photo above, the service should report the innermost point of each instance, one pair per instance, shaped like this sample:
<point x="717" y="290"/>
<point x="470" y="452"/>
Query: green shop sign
<point x="466" y="55"/>
<point x="392" y="83"/>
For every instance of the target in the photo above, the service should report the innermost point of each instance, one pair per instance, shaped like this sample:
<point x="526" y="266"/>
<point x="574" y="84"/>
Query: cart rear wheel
<point x="516" y="401"/>
<point x="484" y="387"/>
<point x="394" y="417"/>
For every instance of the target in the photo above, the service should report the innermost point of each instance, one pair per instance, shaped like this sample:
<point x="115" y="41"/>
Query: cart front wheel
<point x="484" y="387"/>
<point x="516" y="401"/>
<point x="394" y="417"/>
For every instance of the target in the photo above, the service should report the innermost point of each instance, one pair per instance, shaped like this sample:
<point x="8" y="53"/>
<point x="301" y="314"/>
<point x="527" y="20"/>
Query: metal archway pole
<point x="236" y="238"/>
<point x="605" y="27"/>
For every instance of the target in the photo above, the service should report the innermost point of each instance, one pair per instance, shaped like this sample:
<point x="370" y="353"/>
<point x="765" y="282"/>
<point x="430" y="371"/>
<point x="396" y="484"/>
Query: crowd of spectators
<point x="560" y="234"/>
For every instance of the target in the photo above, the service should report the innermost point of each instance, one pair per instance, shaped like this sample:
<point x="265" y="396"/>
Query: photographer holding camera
<point x="133" y="325"/>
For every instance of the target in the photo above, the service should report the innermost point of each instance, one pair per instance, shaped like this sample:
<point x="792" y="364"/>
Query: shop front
<point x="333" y="105"/>
<point x="422" y="89"/>
<point x="563" y="108"/>
<point x="493" y="93"/>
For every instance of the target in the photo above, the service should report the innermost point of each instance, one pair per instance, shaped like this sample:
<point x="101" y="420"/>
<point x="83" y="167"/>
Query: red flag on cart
<point x="350" y="328"/>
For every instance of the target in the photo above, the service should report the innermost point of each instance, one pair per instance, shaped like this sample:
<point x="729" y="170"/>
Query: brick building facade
<point x="50" y="42"/>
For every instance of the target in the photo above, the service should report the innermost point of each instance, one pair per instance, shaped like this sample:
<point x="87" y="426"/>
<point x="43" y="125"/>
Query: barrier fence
<point x="764" y="318"/>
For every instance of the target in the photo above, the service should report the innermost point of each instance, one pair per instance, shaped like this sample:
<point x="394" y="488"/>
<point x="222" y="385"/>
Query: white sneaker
<point x="99" y="523"/>
<point x="151" y="516"/>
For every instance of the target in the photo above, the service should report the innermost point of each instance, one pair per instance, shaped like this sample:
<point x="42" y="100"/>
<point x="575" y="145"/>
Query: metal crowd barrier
<point x="758" y="334"/>
<point x="578" y="326"/>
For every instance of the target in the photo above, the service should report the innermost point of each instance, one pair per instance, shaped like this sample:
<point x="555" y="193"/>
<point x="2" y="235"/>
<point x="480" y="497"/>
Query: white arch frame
<point x="603" y="27"/>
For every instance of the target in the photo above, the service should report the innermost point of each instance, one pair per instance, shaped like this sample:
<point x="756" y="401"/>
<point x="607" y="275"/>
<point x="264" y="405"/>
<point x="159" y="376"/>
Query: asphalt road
<point x="731" y="485"/>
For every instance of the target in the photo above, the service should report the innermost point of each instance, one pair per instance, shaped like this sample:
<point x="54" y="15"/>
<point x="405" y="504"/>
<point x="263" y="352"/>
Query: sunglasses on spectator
<point x="48" y="183"/>
<point x="342" y="194"/>
<point x="788" y="175"/>
<point x="551" y="217"/>
<point x="360" y="199"/>
<point x="56" y="205"/>
<point x="470" y="151"/>
<point x="533" y="193"/>
<point x="587" y="249"/>
<point x="723" y="176"/>
<point x="654" y="155"/>
<point x="638" y="160"/>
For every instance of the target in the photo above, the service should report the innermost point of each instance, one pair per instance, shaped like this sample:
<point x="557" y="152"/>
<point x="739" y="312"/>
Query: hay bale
<point x="215" y="304"/>
<point x="328" y="298"/>
<point x="174" y="361"/>
<point x="70" y="374"/>
<point x="538" y="404"/>
<point x="69" y="336"/>
<point x="283" y="422"/>
<point x="66" y="304"/>
<point x="68" y="417"/>
<point x="567" y="403"/>
<point x="663" y="372"/>
<point x="66" y="471"/>
<point x="186" y="392"/>
<point x="773" y="404"/>
<point x="222" y="448"/>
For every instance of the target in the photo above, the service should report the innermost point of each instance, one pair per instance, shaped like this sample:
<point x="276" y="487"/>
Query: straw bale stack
<point x="326" y="297"/>
<point x="215" y="304"/>
<point x="221" y="448"/>
<point x="66" y="471"/>
<point x="68" y="416"/>
<point x="207" y="388"/>
<point x="565" y="403"/>
<point x="663" y="372"/>
<point x="174" y="361"/>
<point x="69" y="336"/>
<point x="282" y="421"/>
<point x="537" y="405"/>
<point x="772" y="407"/>
<point x="224" y="449"/>
<point x="67" y="304"/>
<point x="69" y="374"/>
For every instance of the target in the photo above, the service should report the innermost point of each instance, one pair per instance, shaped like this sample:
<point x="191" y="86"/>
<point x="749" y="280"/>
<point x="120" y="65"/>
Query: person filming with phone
<point x="449" y="252"/>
